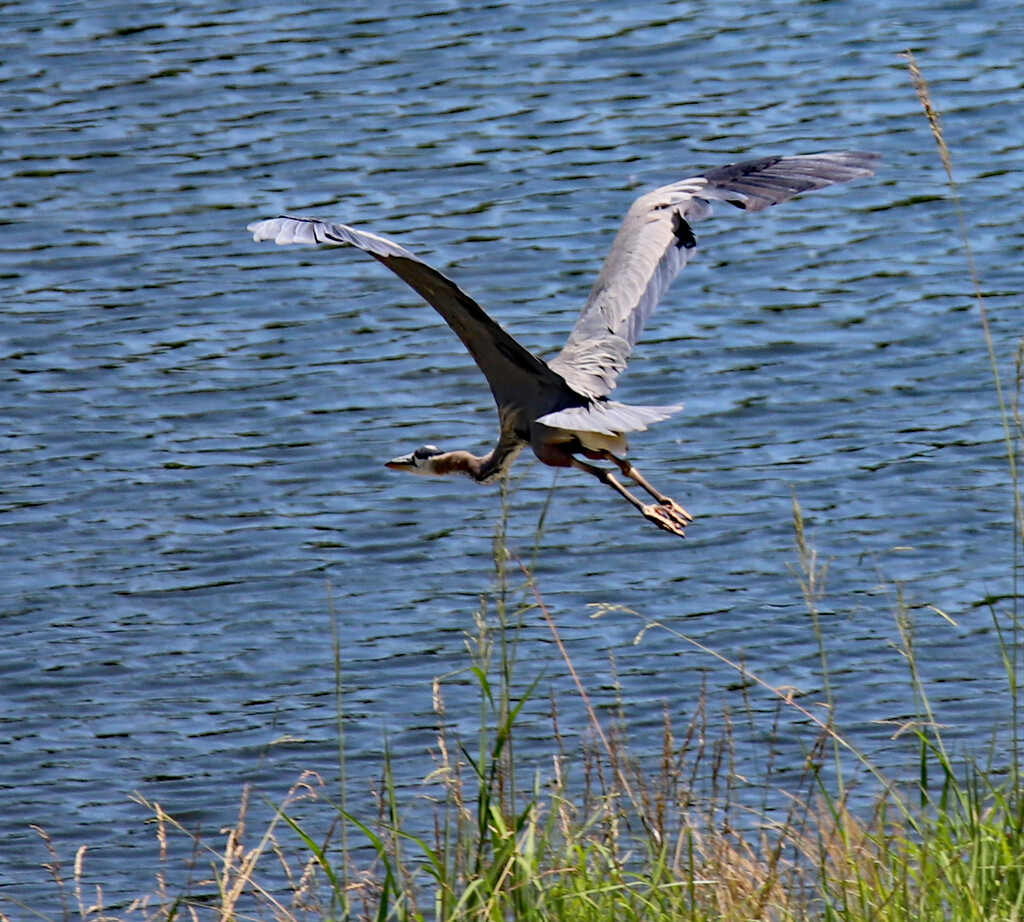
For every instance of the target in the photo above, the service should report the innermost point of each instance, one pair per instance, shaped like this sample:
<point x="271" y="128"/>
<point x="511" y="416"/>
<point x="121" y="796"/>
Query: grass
<point x="600" y="832"/>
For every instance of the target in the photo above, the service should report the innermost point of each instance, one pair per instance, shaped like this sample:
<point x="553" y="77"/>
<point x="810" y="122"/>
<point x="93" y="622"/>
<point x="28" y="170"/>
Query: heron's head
<point x="421" y="461"/>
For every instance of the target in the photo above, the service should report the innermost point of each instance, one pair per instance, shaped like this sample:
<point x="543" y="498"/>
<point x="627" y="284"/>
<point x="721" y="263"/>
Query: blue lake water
<point x="194" y="425"/>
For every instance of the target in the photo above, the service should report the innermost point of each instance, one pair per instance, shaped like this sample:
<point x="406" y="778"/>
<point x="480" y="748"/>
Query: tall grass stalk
<point x="341" y="890"/>
<point x="1010" y="419"/>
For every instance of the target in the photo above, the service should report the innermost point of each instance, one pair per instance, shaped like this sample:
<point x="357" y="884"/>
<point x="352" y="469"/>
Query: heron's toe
<point x="672" y="518"/>
<point x="677" y="510"/>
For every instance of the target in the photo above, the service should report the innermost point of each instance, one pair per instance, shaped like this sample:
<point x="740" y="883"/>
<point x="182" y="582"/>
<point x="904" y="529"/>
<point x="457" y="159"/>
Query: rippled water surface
<point x="194" y="425"/>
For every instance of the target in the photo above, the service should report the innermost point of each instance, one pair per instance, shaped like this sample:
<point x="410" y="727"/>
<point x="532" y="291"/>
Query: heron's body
<point x="561" y="408"/>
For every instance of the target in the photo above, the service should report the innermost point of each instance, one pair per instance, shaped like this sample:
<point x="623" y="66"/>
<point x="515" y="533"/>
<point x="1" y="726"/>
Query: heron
<point x="561" y="408"/>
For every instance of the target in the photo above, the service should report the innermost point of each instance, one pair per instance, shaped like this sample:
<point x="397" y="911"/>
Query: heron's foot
<point x="677" y="509"/>
<point x="668" y="515"/>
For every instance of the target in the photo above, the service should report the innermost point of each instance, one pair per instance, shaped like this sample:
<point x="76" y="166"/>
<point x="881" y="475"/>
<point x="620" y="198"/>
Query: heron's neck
<point x="482" y="469"/>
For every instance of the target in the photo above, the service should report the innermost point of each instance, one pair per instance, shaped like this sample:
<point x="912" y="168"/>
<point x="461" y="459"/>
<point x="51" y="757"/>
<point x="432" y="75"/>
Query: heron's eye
<point x="427" y="451"/>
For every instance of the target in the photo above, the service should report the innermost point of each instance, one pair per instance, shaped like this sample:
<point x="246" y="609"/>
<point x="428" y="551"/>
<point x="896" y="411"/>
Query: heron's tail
<point x="607" y="417"/>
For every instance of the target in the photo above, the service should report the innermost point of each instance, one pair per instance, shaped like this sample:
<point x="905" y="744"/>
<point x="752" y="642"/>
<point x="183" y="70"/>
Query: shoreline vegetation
<point x="601" y="833"/>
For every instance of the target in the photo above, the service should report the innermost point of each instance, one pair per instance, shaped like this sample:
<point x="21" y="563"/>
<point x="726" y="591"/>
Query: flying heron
<point x="560" y="408"/>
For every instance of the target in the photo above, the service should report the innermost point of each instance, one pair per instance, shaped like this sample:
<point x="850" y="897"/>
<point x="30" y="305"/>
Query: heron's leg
<point x="668" y="515"/>
<point x="633" y="474"/>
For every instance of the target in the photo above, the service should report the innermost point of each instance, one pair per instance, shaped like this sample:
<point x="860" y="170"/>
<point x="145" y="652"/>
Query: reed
<point x="604" y="832"/>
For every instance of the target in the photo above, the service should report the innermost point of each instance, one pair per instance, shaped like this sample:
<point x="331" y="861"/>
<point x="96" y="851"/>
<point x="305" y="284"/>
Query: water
<point x="194" y="425"/>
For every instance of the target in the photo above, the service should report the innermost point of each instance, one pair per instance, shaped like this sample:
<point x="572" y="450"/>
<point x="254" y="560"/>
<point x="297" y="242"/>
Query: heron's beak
<point x="404" y="463"/>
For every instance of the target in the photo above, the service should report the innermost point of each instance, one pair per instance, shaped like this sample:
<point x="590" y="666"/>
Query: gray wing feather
<point x="655" y="242"/>
<point x="512" y="371"/>
<point x="608" y="417"/>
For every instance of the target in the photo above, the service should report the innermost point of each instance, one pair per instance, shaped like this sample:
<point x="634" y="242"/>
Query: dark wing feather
<point x="512" y="371"/>
<point x="656" y="240"/>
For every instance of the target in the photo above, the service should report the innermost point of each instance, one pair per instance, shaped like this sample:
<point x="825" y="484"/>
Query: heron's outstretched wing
<point x="512" y="371"/>
<point x="655" y="241"/>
